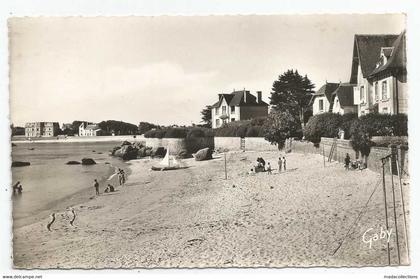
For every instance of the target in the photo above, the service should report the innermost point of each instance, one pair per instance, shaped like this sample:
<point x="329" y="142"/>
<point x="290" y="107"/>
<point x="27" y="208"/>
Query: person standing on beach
<point x="280" y="162"/>
<point x="284" y="163"/>
<point x="123" y="177"/>
<point x="96" y="185"/>
<point x="347" y="161"/>
<point x="268" y="168"/>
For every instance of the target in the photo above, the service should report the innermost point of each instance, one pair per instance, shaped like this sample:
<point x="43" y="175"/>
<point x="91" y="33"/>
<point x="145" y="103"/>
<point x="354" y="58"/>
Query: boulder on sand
<point x="125" y="143"/>
<point x="127" y="152"/>
<point x="73" y="163"/>
<point x="203" y="154"/>
<point x="88" y="161"/>
<point x="159" y="152"/>
<point x="20" y="164"/>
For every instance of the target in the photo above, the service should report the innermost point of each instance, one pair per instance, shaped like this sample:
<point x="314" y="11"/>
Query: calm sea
<point x="50" y="185"/>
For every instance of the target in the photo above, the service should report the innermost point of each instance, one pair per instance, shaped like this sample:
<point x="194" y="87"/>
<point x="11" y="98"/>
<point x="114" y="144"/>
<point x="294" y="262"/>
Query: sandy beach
<point x="193" y="217"/>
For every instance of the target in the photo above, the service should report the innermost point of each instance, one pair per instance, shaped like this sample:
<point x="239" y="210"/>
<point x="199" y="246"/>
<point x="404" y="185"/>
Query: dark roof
<point x="396" y="58"/>
<point x="327" y="89"/>
<point x="345" y="94"/>
<point x="366" y="51"/>
<point x="236" y="98"/>
<point x="228" y="98"/>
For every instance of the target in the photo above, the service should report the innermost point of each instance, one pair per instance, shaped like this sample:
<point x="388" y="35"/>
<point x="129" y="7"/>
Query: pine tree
<point x="292" y="92"/>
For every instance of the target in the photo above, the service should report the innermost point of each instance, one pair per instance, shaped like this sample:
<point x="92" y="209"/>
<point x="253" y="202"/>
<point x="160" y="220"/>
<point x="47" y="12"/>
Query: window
<point x="321" y="105"/>
<point x="217" y="111"/>
<point x="376" y="91"/>
<point x="362" y="94"/>
<point x="384" y="110"/>
<point x="217" y="122"/>
<point x="223" y="109"/>
<point x="384" y="90"/>
<point x="232" y="109"/>
<point x="233" y="119"/>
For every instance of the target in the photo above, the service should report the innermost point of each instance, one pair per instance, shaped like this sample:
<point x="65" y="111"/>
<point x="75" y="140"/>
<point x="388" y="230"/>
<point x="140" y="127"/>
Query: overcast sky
<point x="166" y="69"/>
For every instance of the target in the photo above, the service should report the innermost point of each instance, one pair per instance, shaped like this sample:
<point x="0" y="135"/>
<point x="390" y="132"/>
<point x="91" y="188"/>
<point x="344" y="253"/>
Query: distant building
<point x="238" y="105"/>
<point x="379" y="72"/>
<point x="343" y="99"/>
<point x="41" y="129"/>
<point x="89" y="130"/>
<point x="322" y="100"/>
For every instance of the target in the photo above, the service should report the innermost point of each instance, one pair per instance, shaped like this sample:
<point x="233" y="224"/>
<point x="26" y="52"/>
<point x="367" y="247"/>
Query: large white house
<point x="379" y="73"/>
<point x="89" y="130"/>
<point x="238" y="105"/>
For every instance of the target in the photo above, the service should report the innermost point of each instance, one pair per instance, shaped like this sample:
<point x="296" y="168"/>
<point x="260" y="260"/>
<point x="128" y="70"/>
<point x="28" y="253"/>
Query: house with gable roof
<point x="379" y="73"/>
<point x="89" y="130"/>
<point x="322" y="100"/>
<point x="343" y="99"/>
<point x="238" y="105"/>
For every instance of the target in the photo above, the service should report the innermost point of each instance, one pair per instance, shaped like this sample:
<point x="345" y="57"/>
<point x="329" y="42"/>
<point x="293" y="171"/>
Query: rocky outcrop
<point x="88" y="161"/>
<point x="20" y="164"/>
<point x="203" y="154"/>
<point x="73" y="163"/>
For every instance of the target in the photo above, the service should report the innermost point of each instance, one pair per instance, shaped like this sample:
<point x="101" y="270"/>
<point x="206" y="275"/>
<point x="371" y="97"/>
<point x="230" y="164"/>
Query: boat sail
<point x="168" y="160"/>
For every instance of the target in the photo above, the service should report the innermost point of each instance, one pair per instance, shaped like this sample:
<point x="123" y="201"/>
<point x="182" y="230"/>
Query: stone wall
<point x="374" y="162"/>
<point x="178" y="145"/>
<point x="227" y="143"/>
<point x="259" y="144"/>
<point x="251" y="144"/>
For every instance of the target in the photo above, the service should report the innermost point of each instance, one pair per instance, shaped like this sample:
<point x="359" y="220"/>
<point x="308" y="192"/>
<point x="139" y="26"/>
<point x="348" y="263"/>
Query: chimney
<point x="244" y="96"/>
<point x="259" y="96"/>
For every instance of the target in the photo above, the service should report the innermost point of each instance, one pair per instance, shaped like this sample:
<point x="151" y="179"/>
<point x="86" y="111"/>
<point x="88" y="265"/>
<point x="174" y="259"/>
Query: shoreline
<point x="81" y="139"/>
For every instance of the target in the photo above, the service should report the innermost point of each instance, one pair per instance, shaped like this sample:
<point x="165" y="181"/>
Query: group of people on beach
<point x="110" y="188"/>
<point x="261" y="166"/>
<point x="17" y="188"/>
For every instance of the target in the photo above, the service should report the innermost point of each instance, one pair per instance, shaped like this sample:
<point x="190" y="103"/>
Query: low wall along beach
<point x="343" y="146"/>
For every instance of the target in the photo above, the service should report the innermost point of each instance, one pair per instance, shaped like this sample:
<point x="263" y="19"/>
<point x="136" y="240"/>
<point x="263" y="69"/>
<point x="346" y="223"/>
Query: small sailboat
<point x="168" y="163"/>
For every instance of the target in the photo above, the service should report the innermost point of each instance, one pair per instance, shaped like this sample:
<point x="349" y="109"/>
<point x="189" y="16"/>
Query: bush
<point x="322" y="125"/>
<point x="245" y="128"/>
<point x="347" y="121"/>
<point x="177" y="132"/>
<point x="374" y="124"/>
<point x="328" y="125"/>
<point x="279" y="126"/>
<point x="360" y="137"/>
<point x="255" y="131"/>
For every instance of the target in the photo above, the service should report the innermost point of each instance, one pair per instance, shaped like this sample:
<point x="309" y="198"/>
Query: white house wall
<point x="315" y="105"/>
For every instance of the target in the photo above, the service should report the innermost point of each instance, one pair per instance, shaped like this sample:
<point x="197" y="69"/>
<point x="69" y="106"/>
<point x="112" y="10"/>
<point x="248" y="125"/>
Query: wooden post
<point x="403" y="207"/>
<point x="395" y="210"/>
<point x="225" y="168"/>
<point x="323" y="154"/>
<point x="386" y="208"/>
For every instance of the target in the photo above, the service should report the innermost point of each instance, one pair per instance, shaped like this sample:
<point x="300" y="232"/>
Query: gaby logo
<point x="369" y="236"/>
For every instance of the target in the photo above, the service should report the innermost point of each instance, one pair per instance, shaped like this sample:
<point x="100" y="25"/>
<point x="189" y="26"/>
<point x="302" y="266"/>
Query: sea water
<point x="50" y="185"/>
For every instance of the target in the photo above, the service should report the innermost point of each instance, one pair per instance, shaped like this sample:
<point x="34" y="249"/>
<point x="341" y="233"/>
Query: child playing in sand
<point x="268" y="168"/>
<point x="110" y="188"/>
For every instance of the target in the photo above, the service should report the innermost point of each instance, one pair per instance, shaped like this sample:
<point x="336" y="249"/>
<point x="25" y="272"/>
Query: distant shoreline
<point x="131" y="138"/>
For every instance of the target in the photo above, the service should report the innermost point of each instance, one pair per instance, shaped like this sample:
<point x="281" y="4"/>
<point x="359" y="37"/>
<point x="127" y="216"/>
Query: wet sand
<point x="194" y="218"/>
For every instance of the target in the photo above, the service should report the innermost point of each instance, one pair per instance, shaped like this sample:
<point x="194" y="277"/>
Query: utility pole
<point x="225" y="168"/>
